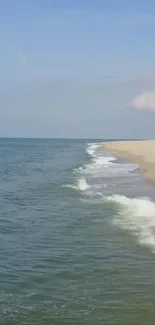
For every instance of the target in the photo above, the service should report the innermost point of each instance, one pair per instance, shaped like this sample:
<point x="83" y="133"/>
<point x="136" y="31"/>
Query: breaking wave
<point x="98" y="178"/>
<point x="91" y="176"/>
<point x="81" y="185"/>
<point x="104" y="163"/>
<point x="91" y="148"/>
<point x="136" y="215"/>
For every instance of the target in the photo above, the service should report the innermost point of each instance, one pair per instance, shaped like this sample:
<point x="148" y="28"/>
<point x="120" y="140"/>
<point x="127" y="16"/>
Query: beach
<point x="139" y="152"/>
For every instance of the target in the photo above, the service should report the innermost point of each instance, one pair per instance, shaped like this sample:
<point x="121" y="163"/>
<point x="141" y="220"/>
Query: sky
<point x="82" y="68"/>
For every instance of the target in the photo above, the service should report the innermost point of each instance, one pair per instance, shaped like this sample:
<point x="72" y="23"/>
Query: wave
<point x="91" y="148"/>
<point x="81" y="185"/>
<point x="97" y="179"/>
<point x="91" y="178"/>
<point x="96" y="165"/>
<point x="97" y="159"/>
<point x="136" y="215"/>
<point x="104" y="163"/>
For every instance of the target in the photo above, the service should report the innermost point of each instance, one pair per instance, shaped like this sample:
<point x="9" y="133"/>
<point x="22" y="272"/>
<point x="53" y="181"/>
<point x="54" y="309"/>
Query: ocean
<point x="77" y="235"/>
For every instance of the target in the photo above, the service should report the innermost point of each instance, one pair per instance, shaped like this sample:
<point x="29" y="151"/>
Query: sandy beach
<point x="139" y="152"/>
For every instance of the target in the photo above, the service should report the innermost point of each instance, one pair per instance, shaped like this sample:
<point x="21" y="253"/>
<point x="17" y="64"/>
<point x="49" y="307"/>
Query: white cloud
<point x="145" y="100"/>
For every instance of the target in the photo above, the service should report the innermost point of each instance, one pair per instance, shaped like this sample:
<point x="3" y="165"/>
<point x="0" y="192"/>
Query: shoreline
<point x="140" y="152"/>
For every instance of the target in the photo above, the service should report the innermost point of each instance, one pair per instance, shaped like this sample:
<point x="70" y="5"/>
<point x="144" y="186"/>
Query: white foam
<point x="81" y="185"/>
<point x="72" y="186"/>
<point x="107" y="166"/>
<point x="90" y="177"/>
<point x="98" y="161"/>
<point x="138" y="216"/>
<point x="91" y="148"/>
<point x="103" y="162"/>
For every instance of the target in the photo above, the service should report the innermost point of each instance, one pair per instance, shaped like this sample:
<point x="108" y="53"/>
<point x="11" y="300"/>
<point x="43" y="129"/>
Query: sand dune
<point x="139" y="152"/>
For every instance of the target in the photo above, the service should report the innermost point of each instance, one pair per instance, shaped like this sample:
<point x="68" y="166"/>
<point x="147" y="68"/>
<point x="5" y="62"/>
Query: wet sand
<point x="140" y="152"/>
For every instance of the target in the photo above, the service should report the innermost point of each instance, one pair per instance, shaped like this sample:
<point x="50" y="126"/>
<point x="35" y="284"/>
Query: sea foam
<point x="136" y="215"/>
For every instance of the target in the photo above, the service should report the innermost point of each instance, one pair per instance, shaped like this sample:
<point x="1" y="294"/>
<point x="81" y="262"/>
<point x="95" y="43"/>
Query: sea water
<point x="77" y="235"/>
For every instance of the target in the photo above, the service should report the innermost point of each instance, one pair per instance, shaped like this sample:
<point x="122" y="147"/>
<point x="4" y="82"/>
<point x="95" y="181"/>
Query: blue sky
<point x="74" y="68"/>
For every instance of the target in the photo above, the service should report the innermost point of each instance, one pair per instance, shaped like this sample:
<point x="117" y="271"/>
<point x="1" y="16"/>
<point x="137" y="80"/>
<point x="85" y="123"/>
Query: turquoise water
<point x="77" y="236"/>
